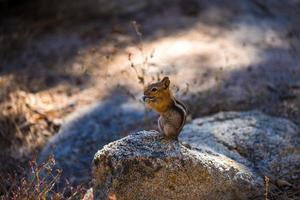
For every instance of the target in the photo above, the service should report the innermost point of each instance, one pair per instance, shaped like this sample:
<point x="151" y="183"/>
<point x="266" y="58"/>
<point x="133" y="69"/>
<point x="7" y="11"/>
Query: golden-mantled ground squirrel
<point x="159" y="97"/>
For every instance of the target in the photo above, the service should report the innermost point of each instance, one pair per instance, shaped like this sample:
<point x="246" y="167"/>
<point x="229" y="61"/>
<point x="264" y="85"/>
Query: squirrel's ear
<point x="166" y="81"/>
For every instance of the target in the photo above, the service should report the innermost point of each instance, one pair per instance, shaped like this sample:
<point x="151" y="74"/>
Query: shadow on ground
<point x="74" y="146"/>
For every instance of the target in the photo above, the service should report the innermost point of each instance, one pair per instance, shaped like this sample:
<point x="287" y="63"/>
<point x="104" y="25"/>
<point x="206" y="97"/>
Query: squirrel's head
<point x="157" y="95"/>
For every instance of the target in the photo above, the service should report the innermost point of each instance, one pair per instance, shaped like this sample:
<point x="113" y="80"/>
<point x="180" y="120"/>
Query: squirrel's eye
<point x="153" y="89"/>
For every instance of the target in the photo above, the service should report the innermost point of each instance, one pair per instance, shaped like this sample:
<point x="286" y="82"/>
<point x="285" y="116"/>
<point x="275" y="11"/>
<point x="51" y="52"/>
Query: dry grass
<point x="22" y="127"/>
<point x="283" y="192"/>
<point x="25" y="126"/>
<point x="23" y="132"/>
<point x="40" y="183"/>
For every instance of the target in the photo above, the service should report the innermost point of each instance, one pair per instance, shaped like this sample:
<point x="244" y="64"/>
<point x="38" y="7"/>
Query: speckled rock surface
<point x="145" y="166"/>
<point x="267" y="144"/>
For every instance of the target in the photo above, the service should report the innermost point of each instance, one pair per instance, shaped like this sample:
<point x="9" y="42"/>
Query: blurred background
<point x="72" y="72"/>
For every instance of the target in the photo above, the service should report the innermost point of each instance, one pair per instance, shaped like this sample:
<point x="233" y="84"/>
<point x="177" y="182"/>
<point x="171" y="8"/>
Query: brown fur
<point x="159" y="97"/>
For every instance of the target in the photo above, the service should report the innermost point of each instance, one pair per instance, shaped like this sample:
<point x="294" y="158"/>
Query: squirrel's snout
<point x="144" y="98"/>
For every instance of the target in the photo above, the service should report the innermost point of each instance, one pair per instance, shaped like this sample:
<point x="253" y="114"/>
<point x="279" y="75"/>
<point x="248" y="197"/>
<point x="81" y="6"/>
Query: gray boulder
<point x="146" y="166"/>
<point x="266" y="144"/>
<point x="228" y="154"/>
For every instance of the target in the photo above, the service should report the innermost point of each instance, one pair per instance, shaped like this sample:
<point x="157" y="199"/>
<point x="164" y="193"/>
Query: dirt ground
<point x="226" y="55"/>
